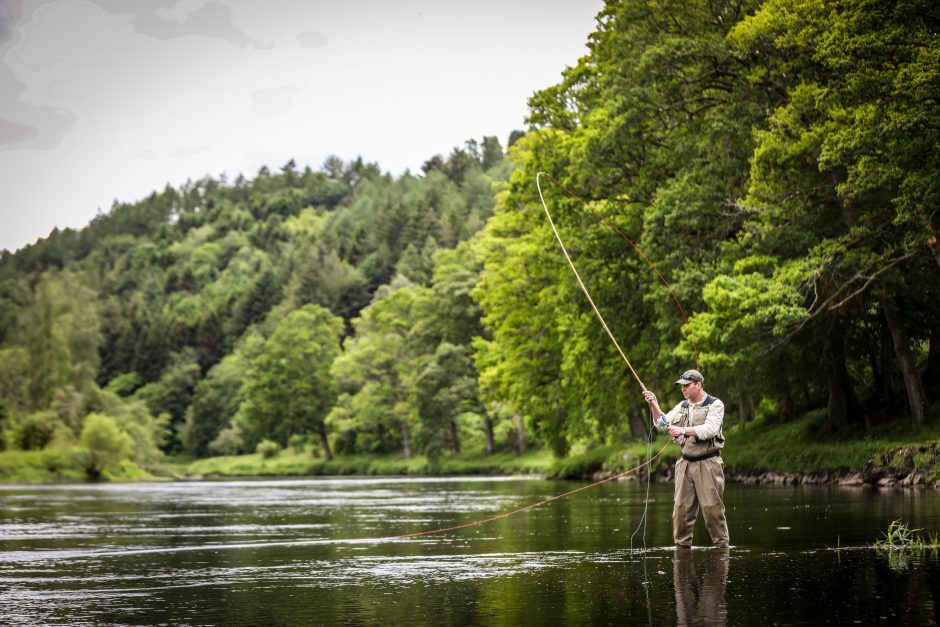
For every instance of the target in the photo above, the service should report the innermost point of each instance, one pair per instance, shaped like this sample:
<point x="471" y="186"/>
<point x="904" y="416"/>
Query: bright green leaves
<point x="376" y="372"/>
<point x="773" y="159"/>
<point x="840" y="169"/>
<point x="654" y="127"/>
<point x="105" y="444"/>
<point x="288" y="388"/>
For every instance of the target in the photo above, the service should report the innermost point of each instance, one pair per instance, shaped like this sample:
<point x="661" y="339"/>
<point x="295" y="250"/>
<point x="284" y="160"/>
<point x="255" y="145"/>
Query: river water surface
<point x="317" y="552"/>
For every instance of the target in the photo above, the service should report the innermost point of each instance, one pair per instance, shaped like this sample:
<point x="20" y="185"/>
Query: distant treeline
<point x="209" y="319"/>
<point x="777" y="161"/>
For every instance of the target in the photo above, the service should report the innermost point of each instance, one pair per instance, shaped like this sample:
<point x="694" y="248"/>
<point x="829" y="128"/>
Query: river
<point x="318" y="552"/>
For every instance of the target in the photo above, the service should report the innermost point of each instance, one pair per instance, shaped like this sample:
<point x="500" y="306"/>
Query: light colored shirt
<point x="709" y="429"/>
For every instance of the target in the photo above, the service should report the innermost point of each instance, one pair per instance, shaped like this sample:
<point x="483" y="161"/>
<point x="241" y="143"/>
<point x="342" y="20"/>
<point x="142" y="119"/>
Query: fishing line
<point x="616" y="229"/>
<point x="583" y="288"/>
<point x="646" y="500"/>
<point x="533" y="505"/>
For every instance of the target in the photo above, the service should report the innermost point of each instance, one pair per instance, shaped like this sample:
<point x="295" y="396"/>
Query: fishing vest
<point x="690" y="416"/>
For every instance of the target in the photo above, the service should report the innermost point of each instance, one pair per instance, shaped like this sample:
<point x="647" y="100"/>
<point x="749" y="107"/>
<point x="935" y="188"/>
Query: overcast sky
<point x="112" y="99"/>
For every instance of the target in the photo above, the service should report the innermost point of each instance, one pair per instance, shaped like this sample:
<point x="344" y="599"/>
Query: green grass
<point x="900" y="536"/>
<point x="611" y="459"/>
<point x="803" y="446"/>
<point x="810" y="444"/>
<point x="290" y="462"/>
<point x="536" y="462"/>
<point x="59" y="465"/>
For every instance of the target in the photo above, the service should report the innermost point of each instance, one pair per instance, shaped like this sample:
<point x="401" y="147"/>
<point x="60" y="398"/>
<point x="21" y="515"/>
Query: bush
<point x="105" y="444"/>
<point x="228" y="442"/>
<point x="268" y="449"/>
<point x="34" y="431"/>
<point x="55" y="460"/>
<point x="298" y="442"/>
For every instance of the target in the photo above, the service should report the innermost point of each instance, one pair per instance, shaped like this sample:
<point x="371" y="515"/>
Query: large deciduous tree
<point x="841" y="173"/>
<point x="379" y="364"/>
<point x="288" y="388"/>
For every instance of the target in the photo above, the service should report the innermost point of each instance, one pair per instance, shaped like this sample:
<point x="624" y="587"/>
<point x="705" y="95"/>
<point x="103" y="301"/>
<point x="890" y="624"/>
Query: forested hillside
<point x="776" y="160"/>
<point x="207" y="319"/>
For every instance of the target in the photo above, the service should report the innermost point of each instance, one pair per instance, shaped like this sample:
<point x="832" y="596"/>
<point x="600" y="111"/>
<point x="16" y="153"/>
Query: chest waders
<point x="700" y="479"/>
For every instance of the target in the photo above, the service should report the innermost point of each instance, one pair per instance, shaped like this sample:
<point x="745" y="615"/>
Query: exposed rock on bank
<point x="870" y="476"/>
<point x="905" y="467"/>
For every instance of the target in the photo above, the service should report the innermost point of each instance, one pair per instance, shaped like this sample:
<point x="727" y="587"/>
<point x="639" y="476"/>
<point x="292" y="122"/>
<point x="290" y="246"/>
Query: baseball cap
<point x="691" y="376"/>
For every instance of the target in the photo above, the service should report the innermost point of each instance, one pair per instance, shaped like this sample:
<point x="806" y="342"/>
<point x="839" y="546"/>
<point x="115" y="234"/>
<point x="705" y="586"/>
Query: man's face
<point x="691" y="391"/>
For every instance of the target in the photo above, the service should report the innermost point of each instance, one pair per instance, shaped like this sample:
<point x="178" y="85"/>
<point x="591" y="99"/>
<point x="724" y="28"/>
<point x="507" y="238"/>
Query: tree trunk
<point x="638" y="427"/>
<point x="844" y="407"/>
<point x="877" y="373"/>
<point x="520" y="430"/>
<point x="455" y="439"/>
<point x="933" y="357"/>
<point x="326" y="443"/>
<point x="745" y="409"/>
<point x="406" y="438"/>
<point x="905" y="357"/>
<point x="889" y="368"/>
<point x="784" y="406"/>
<point x="488" y="432"/>
<point x="932" y="371"/>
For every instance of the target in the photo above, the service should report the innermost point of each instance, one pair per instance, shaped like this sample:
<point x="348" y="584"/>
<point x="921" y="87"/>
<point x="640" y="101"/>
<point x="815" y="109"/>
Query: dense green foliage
<point x="778" y="162"/>
<point x="207" y="320"/>
<point x="776" y="159"/>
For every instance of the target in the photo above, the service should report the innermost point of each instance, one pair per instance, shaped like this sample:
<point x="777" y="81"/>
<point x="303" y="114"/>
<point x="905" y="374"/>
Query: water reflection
<point x="700" y="600"/>
<point x="323" y="552"/>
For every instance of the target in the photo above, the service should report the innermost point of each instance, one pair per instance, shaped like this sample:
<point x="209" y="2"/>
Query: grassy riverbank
<point x="291" y="462"/>
<point x="539" y="462"/>
<point x="63" y="465"/>
<point x="810" y="445"/>
<point x="806" y="446"/>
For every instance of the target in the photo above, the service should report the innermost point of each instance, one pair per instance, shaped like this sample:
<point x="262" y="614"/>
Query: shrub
<point x="55" y="460"/>
<point x="268" y="449"/>
<point x="228" y="442"/>
<point x="35" y="431"/>
<point x="298" y="442"/>
<point x="125" y="384"/>
<point x="105" y="444"/>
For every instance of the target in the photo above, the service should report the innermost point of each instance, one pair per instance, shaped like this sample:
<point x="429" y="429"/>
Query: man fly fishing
<point x="695" y="425"/>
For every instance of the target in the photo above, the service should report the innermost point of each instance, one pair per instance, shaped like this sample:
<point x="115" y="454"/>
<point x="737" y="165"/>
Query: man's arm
<point x="660" y="420"/>
<point x="663" y="421"/>
<point x="653" y="403"/>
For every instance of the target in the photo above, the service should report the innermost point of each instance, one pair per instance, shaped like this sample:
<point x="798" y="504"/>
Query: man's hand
<point x="650" y="397"/>
<point x="675" y="431"/>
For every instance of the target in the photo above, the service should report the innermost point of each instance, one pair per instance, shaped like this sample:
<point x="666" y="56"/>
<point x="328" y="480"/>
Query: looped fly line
<point x="624" y="236"/>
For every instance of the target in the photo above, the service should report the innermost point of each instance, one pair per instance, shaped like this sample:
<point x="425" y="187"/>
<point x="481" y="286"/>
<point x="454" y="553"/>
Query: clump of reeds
<point x="901" y="544"/>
